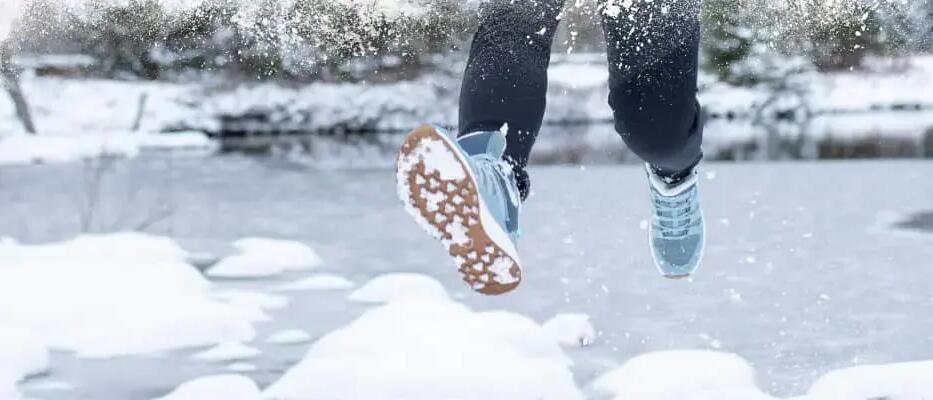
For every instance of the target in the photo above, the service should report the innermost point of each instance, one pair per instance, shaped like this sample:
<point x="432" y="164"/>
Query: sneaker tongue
<point x="492" y="143"/>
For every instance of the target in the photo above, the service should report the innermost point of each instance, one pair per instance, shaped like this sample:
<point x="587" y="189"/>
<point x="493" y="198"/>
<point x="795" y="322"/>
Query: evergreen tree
<point x="728" y="38"/>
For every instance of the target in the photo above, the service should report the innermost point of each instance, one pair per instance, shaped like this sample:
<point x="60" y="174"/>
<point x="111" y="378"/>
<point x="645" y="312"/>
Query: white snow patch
<point x="318" y="282"/>
<point x="28" y="149"/>
<point x="217" y="387"/>
<point x="119" y="294"/>
<point x="224" y="352"/>
<point x="259" y="257"/>
<point x="458" y="233"/>
<point x="682" y="375"/>
<point x="242" y="367"/>
<point x="21" y="355"/>
<point x="291" y="336"/>
<point x="187" y="140"/>
<point x="437" y="157"/>
<point x="55" y="148"/>
<point x="428" y="349"/>
<point x="571" y="329"/>
<point x="501" y="270"/>
<point x="907" y="381"/>
<point x="579" y="76"/>
<point x="398" y="286"/>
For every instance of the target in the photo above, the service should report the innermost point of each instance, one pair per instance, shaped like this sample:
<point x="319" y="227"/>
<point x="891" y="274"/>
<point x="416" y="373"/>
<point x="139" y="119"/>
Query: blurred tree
<point x="728" y="38"/>
<point x="834" y="37"/>
<point x="122" y="37"/>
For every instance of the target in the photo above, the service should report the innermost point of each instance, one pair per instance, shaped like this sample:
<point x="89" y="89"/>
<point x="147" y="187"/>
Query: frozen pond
<point x="804" y="272"/>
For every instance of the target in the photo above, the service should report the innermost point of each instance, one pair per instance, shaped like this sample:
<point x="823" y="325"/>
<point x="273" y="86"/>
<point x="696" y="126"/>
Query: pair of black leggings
<point x="652" y="51"/>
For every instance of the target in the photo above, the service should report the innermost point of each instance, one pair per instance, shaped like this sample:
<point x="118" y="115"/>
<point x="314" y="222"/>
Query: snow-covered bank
<point x="65" y="107"/>
<point x="50" y="148"/>
<point x="119" y="294"/>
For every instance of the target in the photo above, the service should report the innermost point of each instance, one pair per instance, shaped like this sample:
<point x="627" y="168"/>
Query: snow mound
<point x="571" y="329"/>
<point x="318" y="282"/>
<point x="426" y="349"/>
<point x="291" y="336"/>
<point x="107" y="295"/>
<point x="682" y="375"/>
<point x="260" y="258"/>
<point x="56" y="148"/>
<point x="398" y="286"/>
<point x="905" y="381"/>
<point x="21" y="355"/>
<point x="232" y="351"/>
<point x="217" y="387"/>
<point x="242" y="367"/>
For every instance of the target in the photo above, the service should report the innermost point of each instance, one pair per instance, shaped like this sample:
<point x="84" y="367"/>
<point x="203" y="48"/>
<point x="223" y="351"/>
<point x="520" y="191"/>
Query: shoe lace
<point x="676" y="216"/>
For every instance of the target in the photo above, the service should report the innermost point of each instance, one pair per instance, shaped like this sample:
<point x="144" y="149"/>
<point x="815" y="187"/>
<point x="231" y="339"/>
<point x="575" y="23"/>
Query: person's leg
<point x="653" y="47"/>
<point x="506" y="75"/>
<point x="652" y="50"/>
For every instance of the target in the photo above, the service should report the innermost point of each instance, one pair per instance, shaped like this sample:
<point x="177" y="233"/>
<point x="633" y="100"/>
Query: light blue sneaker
<point x="464" y="194"/>
<point x="677" y="233"/>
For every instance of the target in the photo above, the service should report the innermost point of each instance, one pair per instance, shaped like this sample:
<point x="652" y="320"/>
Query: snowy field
<point x="804" y="275"/>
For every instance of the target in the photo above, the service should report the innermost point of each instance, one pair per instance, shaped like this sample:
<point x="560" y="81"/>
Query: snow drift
<point x="107" y="295"/>
<point x="428" y="347"/>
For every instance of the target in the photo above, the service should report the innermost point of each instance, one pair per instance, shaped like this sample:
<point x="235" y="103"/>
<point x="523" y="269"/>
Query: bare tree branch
<point x="10" y="79"/>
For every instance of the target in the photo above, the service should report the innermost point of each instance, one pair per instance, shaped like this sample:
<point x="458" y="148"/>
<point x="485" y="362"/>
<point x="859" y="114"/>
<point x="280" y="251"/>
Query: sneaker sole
<point x="440" y="192"/>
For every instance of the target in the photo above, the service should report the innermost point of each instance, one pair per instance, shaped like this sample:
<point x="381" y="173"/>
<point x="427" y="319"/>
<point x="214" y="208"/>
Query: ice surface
<point x="291" y="336"/>
<point x="814" y="229"/>
<point x="682" y="375"/>
<point x="231" y="351"/>
<point x="252" y="303"/>
<point x="318" y="282"/>
<point x="431" y="348"/>
<point x="397" y="286"/>
<point x="217" y="387"/>
<point x="105" y="295"/>
<point x="571" y="329"/>
<point x="259" y="257"/>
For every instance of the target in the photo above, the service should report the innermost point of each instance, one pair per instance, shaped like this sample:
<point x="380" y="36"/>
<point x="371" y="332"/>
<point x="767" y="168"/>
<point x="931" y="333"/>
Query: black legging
<point x="652" y="50"/>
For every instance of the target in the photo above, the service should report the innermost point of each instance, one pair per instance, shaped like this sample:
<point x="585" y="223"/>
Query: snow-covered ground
<point x="804" y="275"/>
<point x="80" y="118"/>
